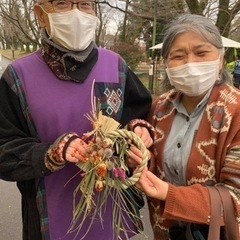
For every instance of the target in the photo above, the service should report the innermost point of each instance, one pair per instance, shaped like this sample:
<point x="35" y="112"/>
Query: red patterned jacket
<point x="214" y="157"/>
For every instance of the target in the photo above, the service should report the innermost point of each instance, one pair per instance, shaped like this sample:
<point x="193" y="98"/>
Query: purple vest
<point x="57" y="107"/>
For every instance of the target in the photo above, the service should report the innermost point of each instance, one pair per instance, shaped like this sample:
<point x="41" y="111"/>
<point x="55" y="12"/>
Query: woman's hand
<point x="134" y="154"/>
<point x="145" y="136"/>
<point x="152" y="185"/>
<point x="134" y="157"/>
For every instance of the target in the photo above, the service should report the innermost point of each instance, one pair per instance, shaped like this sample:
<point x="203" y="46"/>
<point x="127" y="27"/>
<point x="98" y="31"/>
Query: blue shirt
<point x="179" y="141"/>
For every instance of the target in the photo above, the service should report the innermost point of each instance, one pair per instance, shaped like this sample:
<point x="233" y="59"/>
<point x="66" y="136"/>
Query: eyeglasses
<point x="66" y="5"/>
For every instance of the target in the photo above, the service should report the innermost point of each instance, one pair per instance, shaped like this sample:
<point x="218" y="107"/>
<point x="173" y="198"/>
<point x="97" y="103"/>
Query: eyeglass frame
<point x="72" y="3"/>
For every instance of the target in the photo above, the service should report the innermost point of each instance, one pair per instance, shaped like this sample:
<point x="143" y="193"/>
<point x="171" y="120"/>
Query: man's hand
<point x="76" y="151"/>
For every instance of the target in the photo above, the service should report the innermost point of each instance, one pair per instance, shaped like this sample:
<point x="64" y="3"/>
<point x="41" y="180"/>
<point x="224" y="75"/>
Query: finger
<point x="74" y="157"/>
<point x="72" y="154"/>
<point x="147" y="137"/>
<point x="133" y="163"/>
<point x="78" y="143"/>
<point x="76" y="151"/>
<point x="71" y="158"/>
<point x="148" y="143"/>
<point x="138" y="131"/>
<point x="159" y="187"/>
<point x="134" y="159"/>
<point x="142" y="179"/>
<point x="134" y="150"/>
<point x="152" y="178"/>
<point x="139" y="186"/>
<point x="143" y="133"/>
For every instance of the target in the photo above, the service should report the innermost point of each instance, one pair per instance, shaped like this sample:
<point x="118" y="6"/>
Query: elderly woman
<point x="197" y="127"/>
<point x="44" y="97"/>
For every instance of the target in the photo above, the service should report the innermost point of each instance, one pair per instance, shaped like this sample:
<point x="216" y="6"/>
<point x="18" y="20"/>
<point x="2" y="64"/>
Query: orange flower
<point x="101" y="169"/>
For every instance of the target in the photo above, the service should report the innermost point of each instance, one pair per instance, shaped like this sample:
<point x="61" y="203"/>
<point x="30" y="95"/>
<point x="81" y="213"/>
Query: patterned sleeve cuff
<point x="142" y="123"/>
<point x="55" y="156"/>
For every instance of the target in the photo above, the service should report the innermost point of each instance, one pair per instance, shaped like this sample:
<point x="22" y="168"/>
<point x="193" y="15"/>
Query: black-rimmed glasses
<point x="66" y="5"/>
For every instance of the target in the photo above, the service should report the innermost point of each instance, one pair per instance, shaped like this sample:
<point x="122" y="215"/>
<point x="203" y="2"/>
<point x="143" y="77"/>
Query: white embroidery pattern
<point x="113" y="100"/>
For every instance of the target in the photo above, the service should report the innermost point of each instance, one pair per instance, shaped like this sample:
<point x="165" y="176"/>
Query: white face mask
<point x="194" y="79"/>
<point x="74" y="29"/>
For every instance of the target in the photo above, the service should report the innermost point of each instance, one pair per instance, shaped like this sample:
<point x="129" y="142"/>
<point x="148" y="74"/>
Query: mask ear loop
<point x="165" y="64"/>
<point x="219" y="79"/>
<point x="49" y="35"/>
<point x="166" y="81"/>
<point x="220" y="73"/>
<point x="167" y="78"/>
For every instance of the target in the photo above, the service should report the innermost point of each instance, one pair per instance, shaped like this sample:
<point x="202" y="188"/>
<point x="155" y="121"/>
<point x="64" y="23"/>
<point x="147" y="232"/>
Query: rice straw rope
<point x="140" y="145"/>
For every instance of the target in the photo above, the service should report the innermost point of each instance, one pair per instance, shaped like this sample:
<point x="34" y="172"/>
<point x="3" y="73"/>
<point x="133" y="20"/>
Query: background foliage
<point x="126" y="26"/>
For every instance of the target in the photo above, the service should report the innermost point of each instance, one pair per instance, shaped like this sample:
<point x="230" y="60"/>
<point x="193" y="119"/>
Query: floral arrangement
<point x="105" y="174"/>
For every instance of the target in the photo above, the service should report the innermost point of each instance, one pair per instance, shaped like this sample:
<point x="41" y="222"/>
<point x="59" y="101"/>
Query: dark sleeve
<point x="137" y="99"/>
<point x="21" y="153"/>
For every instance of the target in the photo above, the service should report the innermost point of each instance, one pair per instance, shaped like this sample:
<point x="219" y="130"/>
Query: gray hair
<point x="198" y="24"/>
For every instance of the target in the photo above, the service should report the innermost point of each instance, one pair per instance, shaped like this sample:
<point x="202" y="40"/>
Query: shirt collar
<point x="177" y="103"/>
